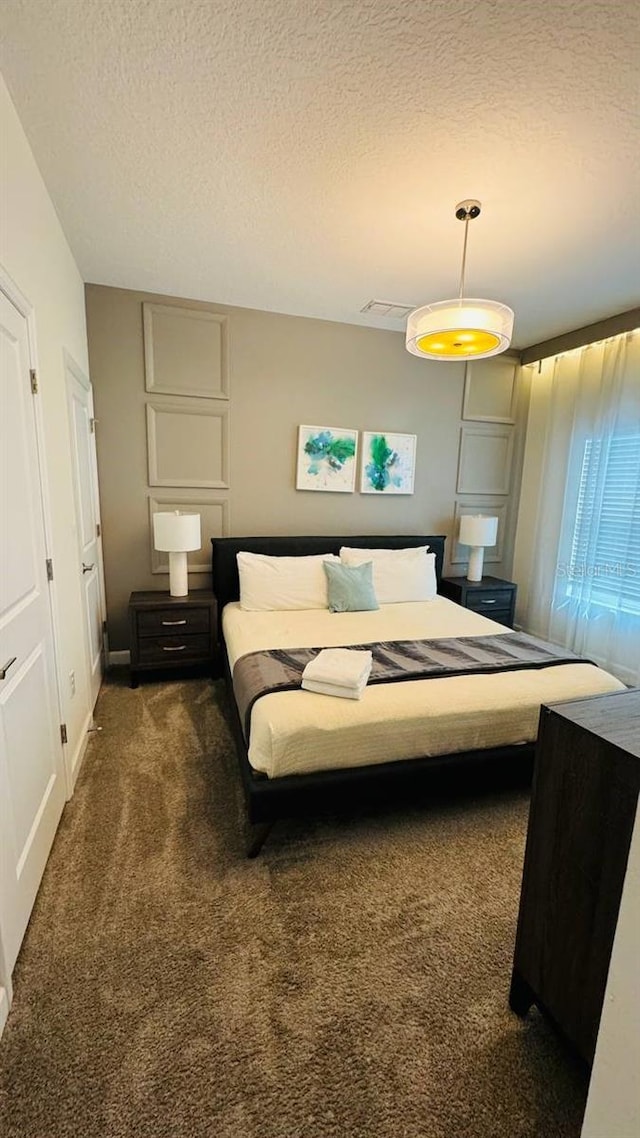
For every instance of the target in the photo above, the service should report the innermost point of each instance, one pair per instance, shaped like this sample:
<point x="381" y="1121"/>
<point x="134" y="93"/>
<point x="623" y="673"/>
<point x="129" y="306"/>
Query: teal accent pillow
<point x="350" y="587"/>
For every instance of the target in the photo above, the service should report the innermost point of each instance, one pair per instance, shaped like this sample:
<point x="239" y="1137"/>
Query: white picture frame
<point x="388" y="463"/>
<point x="326" y="459"/>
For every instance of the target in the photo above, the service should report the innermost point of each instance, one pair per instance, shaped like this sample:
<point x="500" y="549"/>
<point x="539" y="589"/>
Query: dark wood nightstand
<point x="491" y="596"/>
<point x="172" y="633"/>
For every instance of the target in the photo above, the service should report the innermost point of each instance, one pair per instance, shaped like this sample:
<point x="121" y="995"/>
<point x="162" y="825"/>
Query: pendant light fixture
<point x="464" y="328"/>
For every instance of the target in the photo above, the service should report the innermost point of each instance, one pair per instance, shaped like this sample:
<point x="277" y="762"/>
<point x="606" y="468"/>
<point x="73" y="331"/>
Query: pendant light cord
<point x="464" y="257"/>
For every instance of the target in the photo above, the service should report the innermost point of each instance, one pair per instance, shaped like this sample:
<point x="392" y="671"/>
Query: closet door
<point x="85" y="470"/>
<point x="32" y="787"/>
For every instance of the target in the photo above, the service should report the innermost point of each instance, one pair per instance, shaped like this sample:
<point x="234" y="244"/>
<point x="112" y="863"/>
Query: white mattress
<point x="297" y="732"/>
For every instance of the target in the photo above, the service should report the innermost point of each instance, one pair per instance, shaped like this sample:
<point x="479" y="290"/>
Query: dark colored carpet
<point x="352" y="982"/>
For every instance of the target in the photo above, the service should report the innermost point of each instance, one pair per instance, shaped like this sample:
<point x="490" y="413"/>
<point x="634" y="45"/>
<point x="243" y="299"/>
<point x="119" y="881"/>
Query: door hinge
<point x="92" y="425"/>
<point x="33" y="376"/>
<point x="98" y="530"/>
<point x="63" y="732"/>
<point x="49" y="569"/>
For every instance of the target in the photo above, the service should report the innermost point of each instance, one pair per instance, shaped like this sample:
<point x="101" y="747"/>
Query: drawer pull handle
<point x="486" y="602"/>
<point x="180" y="648"/>
<point x="5" y="669"/>
<point x="168" y="622"/>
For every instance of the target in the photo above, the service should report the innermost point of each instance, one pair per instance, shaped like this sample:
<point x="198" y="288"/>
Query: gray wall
<point x="283" y="371"/>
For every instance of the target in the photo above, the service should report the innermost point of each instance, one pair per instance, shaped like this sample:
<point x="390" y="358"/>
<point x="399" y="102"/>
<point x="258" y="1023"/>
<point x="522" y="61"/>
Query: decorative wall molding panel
<point x="490" y="390"/>
<point x="188" y="444"/>
<point x="460" y="553"/>
<point x="214" y="515"/>
<point x="186" y="351"/>
<point x="485" y="459"/>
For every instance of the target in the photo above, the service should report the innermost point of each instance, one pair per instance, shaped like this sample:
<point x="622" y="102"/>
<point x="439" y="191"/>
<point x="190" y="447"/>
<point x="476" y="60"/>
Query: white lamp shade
<point x="476" y="529"/>
<point x="176" y="533"/>
<point x="459" y="329"/>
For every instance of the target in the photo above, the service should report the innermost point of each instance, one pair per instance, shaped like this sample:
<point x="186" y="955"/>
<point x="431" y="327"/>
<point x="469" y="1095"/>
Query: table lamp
<point x="177" y="534"/>
<point x="476" y="531"/>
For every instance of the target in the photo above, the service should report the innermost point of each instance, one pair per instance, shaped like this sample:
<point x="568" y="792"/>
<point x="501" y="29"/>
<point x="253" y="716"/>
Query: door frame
<point x="74" y="369"/>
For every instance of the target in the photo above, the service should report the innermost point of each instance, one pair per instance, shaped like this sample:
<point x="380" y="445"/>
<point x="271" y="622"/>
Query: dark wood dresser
<point x="172" y="634"/>
<point x="585" y="794"/>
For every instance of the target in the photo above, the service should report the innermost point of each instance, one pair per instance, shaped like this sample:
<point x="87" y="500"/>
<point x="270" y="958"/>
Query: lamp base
<point x="476" y="561"/>
<point x="178" y="575"/>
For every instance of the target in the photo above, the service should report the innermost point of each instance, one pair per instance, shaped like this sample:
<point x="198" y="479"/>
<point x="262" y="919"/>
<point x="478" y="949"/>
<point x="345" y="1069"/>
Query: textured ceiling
<point x="305" y="156"/>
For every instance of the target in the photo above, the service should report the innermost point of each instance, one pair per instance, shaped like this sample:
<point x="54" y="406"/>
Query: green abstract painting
<point x="327" y="458"/>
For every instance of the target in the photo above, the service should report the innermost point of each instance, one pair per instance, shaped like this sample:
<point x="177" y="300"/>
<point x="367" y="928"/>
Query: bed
<point x="401" y="737"/>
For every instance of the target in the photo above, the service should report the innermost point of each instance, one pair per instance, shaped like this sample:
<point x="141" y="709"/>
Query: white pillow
<point x="269" y="583"/>
<point x="398" y="574"/>
<point x="375" y="554"/>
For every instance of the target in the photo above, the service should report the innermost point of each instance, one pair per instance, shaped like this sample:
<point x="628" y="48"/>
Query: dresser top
<point x="614" y="717"/>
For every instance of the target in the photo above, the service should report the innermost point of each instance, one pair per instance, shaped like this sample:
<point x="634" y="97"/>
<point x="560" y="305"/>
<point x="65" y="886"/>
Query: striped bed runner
<point x="280" y="669"/>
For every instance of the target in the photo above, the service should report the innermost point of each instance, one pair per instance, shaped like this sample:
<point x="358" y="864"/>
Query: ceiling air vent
<point x="389" y="308"/>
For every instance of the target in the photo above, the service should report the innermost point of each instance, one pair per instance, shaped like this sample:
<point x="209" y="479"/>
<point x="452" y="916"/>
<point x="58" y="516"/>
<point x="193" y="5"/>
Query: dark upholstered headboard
<point x="226" y="585"/>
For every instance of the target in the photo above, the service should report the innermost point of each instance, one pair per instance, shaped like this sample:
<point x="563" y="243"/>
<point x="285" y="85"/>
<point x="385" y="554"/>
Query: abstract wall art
<point x="327" y="458"/>
<point x="388" y="463"/>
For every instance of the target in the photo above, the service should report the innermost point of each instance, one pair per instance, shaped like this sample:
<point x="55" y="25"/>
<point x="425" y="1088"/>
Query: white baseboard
<point x="75" y="761"/>
<point x="119" y="658"/>
<point x="4" y="1008"/>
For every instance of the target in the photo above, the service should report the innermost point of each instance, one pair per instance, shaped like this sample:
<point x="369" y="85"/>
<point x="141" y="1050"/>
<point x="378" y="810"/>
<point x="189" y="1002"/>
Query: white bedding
<point x="297" y="732"/>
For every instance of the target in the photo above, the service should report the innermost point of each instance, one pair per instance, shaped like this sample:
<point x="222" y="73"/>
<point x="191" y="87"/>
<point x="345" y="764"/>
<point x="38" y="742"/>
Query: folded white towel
<point x="344" y="667"/>
<point x="335" y="689"/>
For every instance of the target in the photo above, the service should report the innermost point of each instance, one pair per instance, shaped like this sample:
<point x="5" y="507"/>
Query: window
<point x="606" y="536"/>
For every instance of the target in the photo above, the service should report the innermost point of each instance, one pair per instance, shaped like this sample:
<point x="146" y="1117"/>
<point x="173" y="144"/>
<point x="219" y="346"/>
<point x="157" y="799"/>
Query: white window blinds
<point x="606" y="536"/>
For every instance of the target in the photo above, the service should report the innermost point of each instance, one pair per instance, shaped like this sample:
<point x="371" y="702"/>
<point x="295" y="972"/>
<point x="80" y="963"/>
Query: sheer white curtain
<point x="585" y="579"/>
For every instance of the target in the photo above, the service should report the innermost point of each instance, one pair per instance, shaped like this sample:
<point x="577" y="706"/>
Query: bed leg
<point x="257" y="836"/>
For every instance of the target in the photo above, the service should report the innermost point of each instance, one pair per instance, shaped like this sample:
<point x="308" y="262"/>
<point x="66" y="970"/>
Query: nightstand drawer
<point x="489" y="599"/>
<point x="174" y="622"/>
<point x="173" y="649"/>
<point x="502" y="616"/>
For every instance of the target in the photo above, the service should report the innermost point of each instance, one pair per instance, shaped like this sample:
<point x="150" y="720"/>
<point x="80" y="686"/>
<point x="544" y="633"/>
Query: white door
<point x="81" y="422"/>
<point x="32" y="785"/>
